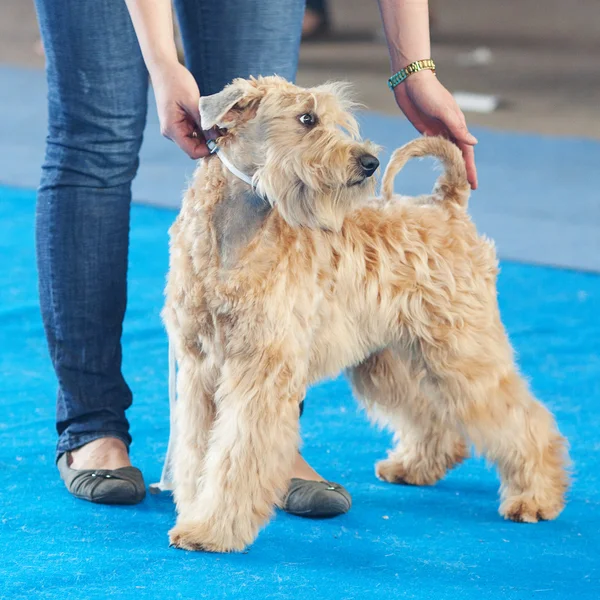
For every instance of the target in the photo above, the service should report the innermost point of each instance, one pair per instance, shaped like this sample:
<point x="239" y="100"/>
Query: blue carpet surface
<point x="441" y="543"/>
<point x="538" y="196"/>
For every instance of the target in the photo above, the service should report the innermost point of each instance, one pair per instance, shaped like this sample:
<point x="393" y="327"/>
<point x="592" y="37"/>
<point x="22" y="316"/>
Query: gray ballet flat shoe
<point x="316" y="499"/>
<point x="103" y="486"/>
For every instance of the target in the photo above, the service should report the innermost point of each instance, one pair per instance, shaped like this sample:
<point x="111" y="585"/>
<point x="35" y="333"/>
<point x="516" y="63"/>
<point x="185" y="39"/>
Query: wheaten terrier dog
<point x="283" y="272"/>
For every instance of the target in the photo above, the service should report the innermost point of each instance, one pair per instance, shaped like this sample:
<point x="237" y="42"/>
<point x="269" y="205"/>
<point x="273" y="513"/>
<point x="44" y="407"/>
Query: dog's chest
<point x="236" y="220"/>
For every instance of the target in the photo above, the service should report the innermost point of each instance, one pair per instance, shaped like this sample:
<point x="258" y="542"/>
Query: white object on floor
<point x="480" y="103"/>
<point x="166" y="479"/>
<point x="477" y="57"/>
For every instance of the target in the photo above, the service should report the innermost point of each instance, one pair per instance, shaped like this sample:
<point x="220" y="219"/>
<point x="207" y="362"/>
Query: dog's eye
<point x="307" y="119"/>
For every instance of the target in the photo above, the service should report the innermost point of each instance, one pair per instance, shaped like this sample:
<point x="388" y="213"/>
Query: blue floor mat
<point x="441" y="543"/>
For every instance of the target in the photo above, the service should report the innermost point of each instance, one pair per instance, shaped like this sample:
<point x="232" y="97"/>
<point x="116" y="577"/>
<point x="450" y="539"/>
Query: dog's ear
<point x="235" y="103"/>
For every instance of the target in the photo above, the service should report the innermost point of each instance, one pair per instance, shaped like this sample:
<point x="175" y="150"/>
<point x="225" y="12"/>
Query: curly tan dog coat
<point x="276" y="285"/>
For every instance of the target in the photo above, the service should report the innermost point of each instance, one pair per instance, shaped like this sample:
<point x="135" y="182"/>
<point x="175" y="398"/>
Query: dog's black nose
<point x="369" y="164"/>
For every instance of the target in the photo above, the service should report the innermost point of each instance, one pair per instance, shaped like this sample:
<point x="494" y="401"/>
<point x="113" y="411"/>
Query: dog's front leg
<point x="251" y="450"/>
<point x="194" y="416"/>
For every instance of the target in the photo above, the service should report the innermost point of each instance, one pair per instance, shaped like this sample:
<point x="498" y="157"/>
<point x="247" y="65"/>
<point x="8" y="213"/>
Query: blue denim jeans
<point x="97" y="102"/>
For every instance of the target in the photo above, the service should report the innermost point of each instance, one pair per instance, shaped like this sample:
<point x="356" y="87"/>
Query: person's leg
<point x="238" y="38"/>
<point x="316" y="19"/>
<point x="97" y="95"/>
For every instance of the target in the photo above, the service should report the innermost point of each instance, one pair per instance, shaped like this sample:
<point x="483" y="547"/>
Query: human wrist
<point x="409" y="72"/>
<point x="406" y="26"/>
<point x="161" y="63"/>
<point x="423" y="75"/>
<point x="401" y="58"/>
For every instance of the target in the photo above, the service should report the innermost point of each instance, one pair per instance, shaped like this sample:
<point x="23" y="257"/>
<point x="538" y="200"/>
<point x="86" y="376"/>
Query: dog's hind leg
<point x="498" y="413"/>
<point x="427" y="444"/>
<point x="251" y="449"/>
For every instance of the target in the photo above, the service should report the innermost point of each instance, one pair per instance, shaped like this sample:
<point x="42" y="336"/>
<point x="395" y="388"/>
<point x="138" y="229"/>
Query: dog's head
<point x="300" y="145"/>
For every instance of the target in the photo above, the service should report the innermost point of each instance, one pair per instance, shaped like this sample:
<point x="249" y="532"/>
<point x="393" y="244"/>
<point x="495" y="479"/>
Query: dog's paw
<point x="527" y="509"/>
<point x="420" y="469"/>
<point x="197" y="536"/>
<point x="395" y="471"/>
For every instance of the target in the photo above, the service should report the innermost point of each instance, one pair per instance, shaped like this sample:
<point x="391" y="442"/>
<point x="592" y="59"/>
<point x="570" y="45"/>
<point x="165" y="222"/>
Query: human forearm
<point x="406" y="26"/>
<point x="426" y="103"/>
<point x="153" y="23"/>
<point x="175" y="90"/>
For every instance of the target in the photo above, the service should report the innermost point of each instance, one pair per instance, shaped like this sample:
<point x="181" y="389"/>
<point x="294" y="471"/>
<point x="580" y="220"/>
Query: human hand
<point x="431" y="108"/>
<point x="177" y="96"/>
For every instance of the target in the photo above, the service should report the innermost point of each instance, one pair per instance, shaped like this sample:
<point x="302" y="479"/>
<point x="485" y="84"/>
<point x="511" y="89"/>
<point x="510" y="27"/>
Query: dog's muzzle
<point x="368" y="164"/>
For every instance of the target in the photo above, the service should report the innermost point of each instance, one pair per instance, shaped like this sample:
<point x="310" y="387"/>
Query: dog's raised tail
<point x="451" y="187"/>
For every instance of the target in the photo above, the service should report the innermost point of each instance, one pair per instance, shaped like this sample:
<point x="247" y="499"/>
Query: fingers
<point x="459" y="133"/>
<point x="457" y="126"/>
<point x="187" y="136"/>
<point x="194" y="147"/>
<point x="469" y="155"/>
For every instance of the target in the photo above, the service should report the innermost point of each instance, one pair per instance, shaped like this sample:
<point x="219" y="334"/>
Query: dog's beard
<point x="302" y="206"/>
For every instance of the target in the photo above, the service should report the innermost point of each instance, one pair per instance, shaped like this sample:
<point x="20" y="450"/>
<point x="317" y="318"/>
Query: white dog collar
<point x="214" y="149"/>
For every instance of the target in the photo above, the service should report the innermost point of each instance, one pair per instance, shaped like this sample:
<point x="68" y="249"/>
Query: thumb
<point x="194" y="116"/>
<point x="191" y="108"/>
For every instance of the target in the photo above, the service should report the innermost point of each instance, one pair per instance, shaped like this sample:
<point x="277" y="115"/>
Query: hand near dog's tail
<point x="452" y="187"/>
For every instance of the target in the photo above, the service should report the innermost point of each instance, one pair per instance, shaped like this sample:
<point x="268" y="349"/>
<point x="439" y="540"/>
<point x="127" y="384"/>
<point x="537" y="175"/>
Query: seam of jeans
<point x="207" y="71"/>
<point x="51" y="286"/>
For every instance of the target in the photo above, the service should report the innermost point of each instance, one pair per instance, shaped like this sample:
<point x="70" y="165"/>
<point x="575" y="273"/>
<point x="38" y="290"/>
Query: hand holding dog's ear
<point x="431" y="108"/>
<point x="215" y="108"/>
<point x="236" y="103"/>
<point x="177" y="97"/>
